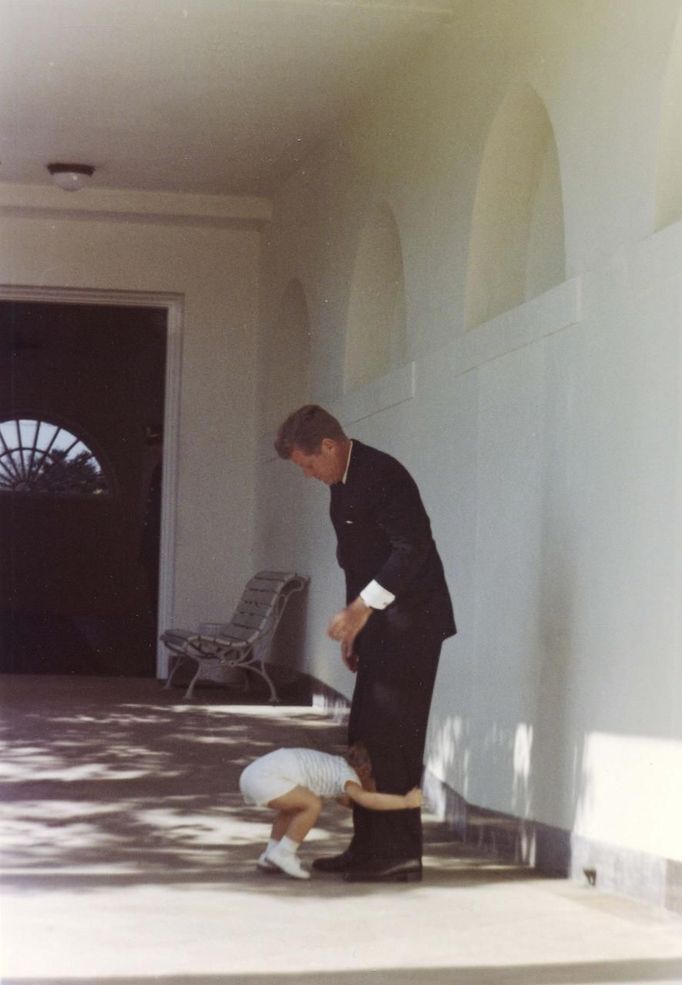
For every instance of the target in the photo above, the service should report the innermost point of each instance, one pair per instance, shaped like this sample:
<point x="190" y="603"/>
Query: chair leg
<point x="273" y="699"/>
<point x="244" y="671"/>
<point x="189" y="693"/>
<point x="179" y="660"/>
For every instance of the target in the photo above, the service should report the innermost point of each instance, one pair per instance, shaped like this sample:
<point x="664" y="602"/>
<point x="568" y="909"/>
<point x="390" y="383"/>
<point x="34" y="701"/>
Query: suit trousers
<point x="389" y="713"/>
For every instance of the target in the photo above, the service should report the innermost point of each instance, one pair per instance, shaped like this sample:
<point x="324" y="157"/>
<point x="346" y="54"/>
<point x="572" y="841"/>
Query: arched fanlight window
<point x="39" y="457"/>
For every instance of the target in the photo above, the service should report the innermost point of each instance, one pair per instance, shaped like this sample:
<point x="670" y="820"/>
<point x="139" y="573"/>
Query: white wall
<point x="546" y="441"/>
<point x="216" y="269"/>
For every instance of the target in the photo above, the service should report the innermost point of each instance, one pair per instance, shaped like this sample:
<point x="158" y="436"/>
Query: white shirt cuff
<point x="375" y="596"/>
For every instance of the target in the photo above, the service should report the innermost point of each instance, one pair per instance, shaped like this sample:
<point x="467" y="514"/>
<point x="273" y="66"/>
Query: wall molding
<point x="551" y="312"/>
<point x="110" y="204"/>
<point x="547" y="849"/>
<point x="529" y="322"/>
<point x="387" y="391"/>
<point x="557" y="852"/>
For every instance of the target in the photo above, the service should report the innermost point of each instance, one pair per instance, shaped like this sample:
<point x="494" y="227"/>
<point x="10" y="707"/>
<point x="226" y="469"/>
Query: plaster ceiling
<point x="199" y="96"/>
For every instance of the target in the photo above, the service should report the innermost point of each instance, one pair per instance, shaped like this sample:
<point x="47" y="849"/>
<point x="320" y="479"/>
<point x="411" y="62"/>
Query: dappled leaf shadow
<point x="121" y="783"/>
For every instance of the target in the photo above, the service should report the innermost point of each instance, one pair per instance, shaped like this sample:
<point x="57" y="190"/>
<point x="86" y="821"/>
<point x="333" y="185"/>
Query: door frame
<point x="174" y="306"/>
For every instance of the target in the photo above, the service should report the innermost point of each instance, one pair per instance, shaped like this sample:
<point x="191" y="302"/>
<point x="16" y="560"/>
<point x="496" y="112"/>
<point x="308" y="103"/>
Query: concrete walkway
<point x="128" y="858"/>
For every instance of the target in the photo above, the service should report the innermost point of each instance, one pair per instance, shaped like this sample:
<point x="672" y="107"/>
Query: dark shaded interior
<point x="79" y="573"/>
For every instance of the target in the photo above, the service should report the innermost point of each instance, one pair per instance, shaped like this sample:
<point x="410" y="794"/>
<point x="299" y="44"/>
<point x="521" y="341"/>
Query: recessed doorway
<point x="83" y="407"/>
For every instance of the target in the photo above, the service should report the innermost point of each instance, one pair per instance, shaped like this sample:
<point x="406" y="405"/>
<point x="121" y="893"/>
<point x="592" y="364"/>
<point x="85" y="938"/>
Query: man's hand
<point x="346" y="625"/>
<point x="350" y="657"/>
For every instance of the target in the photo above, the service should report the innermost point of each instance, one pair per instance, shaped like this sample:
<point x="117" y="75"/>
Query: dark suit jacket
<point x="384" y="533"/>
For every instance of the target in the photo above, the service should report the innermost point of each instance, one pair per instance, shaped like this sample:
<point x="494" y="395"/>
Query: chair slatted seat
<point x="244" y="643"/>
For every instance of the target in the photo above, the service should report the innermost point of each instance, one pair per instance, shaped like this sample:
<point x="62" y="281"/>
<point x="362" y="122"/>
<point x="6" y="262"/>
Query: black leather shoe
<point x="386" y="870"/>
<point x="336" y="863"/>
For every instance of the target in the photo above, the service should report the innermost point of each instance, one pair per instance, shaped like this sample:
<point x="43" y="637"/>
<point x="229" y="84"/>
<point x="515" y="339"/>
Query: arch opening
<point x="517" y="246"/>
<point x="376" y="330"/>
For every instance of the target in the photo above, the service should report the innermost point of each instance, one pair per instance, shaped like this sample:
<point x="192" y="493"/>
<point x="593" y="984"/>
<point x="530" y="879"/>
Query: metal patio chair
<point x="244" y="643"/>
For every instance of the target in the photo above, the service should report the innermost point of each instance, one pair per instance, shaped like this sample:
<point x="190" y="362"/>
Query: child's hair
<point x="358" y="757"/>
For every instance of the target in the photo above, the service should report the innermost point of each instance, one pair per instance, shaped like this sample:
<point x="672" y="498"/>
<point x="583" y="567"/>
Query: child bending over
<point x="294" y="783"/>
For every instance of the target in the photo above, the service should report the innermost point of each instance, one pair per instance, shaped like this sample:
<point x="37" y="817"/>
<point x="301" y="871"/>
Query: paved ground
<point x="128" y="860"/>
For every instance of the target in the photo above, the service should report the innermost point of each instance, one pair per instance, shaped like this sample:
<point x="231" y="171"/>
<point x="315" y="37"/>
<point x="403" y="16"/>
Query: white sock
<point x="270" y="845"/>
<point x="288" y="845"/>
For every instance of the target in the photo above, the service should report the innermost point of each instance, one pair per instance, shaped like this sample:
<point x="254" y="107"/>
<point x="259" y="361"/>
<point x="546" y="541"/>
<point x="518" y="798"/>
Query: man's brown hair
<point x="306" y="429"/>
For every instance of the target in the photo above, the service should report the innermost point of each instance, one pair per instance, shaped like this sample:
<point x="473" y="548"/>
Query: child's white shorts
<point x="269" y="777"/>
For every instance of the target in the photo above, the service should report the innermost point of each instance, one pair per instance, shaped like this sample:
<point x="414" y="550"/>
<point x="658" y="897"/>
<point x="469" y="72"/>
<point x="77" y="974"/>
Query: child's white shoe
<point x="286" y="861"/>
<point x="264" y="863"/>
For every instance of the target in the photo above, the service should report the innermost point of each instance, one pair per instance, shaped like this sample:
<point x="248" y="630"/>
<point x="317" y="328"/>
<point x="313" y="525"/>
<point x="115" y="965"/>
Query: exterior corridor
<point x="128" y="858"/>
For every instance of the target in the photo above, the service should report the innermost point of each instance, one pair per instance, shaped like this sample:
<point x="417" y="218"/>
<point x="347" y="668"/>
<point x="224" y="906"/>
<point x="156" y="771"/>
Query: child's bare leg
<point x="299" y="810"/>
<point x="280" y="825"/>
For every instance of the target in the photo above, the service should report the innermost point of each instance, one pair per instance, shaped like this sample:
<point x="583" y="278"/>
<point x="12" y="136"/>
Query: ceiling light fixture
<point x="71" y="177"/>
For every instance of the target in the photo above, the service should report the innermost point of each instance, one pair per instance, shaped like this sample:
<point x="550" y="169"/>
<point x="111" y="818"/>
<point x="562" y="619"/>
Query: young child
<point x="294" y="783"/>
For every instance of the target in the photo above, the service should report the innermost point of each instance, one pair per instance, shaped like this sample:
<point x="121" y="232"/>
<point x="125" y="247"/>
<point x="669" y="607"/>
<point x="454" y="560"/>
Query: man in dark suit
<point x="398" y="612"/>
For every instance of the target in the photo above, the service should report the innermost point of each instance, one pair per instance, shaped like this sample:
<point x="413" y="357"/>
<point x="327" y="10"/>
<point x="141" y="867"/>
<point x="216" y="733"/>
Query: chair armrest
<point x="211" y="628"/>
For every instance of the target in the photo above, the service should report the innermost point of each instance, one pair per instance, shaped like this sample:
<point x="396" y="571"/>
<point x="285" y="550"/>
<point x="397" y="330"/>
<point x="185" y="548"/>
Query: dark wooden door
<point x="79" y="528"/>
